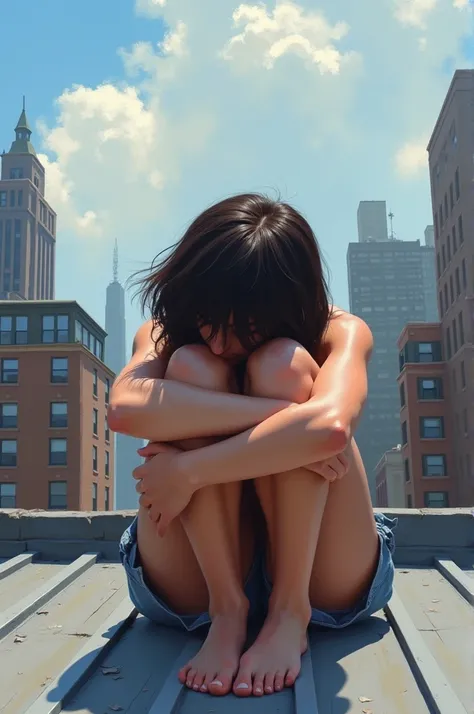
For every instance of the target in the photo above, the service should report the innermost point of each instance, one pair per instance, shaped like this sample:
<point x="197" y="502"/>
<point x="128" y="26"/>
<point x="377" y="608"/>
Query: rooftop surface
<point x="71" y="640"/>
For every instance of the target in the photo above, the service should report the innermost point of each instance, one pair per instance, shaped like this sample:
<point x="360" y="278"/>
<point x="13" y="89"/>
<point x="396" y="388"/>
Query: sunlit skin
<point x="295" y="422"/>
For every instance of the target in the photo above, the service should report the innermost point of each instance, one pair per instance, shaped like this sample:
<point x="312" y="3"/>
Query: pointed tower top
<point x="22" y="143"/>
<point x="115" y="267"/>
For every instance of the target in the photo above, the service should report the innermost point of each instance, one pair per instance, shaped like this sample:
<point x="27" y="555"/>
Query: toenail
<point x="196" y="686"/>
<point x="268" y="689"/>
<point x="189" y="683"/>
<point x="258" y="689"/>
<point x="203" y="688"/>
<point x="242" y="685"/>
<point x="217" y="682"/>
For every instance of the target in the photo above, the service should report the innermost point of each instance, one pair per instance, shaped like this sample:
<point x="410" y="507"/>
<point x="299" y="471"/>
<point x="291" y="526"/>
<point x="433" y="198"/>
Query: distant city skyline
<point x="169" y="111"/>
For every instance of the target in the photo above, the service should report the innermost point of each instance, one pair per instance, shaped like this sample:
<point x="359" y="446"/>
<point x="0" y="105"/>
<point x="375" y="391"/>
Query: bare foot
<point x="274" y="660"/>
<point x="213" y="668"/>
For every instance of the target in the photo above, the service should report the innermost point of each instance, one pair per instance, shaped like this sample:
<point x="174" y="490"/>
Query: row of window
<point x="57" y="454"/>
<point x="57" y="496"/>
<point x="430" y="428"/>
<point x="432" y="465"/>
<point x="457" y="336"/>
<point x="54" y="329"/>
<point x="11" y="199"/>
<point x="456" y="280"/>
<point x="59" y="374"/>
<point x="420" y="352"/>
<point x="428" y="388"/>
<point x="446" y="207"/>
<point x="58" y="417"/>
<point x="10" y="254"/>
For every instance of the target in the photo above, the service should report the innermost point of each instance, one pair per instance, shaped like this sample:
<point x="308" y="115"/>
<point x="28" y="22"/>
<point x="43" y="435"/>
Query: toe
<point x="269" y="683"/>
<point x="207" y="680"/>
<point x="243" y="683"/>
<point x="183" y="673"/>
<point x="221" y="684"/>
<point x="198" y="680"/>
<point x="279" y="682"/>
<point x="258" y="684"/>
<point x="190" y="678"/>
<point x="291" y="677"/>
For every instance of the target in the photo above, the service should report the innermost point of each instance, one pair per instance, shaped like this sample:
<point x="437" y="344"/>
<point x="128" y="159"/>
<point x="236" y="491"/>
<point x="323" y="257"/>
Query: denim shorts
<point x="258" y="588"/>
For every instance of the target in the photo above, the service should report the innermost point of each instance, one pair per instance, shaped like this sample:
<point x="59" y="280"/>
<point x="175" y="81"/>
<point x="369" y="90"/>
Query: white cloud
<point x="411" y="159"/>
<point x="414" y="12"/>
<point x="149" y="8"/>
<point x="267" y="36"/>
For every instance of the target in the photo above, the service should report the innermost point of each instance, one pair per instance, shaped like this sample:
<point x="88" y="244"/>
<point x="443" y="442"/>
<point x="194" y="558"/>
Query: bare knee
<point x="282" y="369"/>
<point x="196" y="365"/>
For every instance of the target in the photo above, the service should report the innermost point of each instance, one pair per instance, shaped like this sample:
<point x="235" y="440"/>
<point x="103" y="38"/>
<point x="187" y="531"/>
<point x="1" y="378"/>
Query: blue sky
<point x="146" y="111"/>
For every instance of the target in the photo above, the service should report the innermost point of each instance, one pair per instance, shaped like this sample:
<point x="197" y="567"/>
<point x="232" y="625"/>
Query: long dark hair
<point x="248" y="258"/>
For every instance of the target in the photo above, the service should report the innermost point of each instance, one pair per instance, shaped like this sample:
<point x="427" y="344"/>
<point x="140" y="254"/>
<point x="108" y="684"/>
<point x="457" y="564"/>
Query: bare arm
<point x="302" y="434"/>
<point x="145" y="405"/>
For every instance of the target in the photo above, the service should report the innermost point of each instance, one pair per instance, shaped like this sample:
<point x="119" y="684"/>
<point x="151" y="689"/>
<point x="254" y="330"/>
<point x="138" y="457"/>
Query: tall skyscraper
<point x="386" y="288"/>
<point x="450" y="150"/>
<point x="27" y="223"/>
<point x="372" y="221"/>
<point x="126" y="457"/>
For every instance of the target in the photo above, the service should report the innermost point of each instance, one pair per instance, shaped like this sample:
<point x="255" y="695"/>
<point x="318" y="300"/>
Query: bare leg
<point x="307" y="548"/>
<point x="200" y="563"/>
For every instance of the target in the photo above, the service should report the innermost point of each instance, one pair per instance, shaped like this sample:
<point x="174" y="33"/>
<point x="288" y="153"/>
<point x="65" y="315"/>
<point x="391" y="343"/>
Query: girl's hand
<point x="331" y="469"/>
<point x="156" y="447"/>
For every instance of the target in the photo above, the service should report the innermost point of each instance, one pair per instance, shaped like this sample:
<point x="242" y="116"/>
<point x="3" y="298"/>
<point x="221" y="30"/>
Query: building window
<point x="7" y="495"/>
<point x="431" y="427"/>
<point x="463" y="375"/>
<point x="451" y="288"/>
<point x="461" y="329"/>
<point x="456" y="185"/>
<point x="434" y="465"/>
<point x="406" y="464"/>
<point x="464" y="274"/>
<point x="107" y="463"/>
<point x="440" y="300"/>
<point x="449" y="351"/>
<point x="59" y="370"/>
<point x="458" y="283"/>
<point x="8" y="452"/>
<point x="6" y="330"/>
<point x="94" y="497"/>
<point x="449" y="247"/>
<point x="58" y="452"/>
<point x="95" y="383"/>
<point x="9" y="371"/>
<point x="443" y="253"/>
<point x="3" y="199"/>
<point x="426" y="352"/>
<point x="409" y="501"/>
<point x="436" y="499"/>
<point x="16" y="173"/>
<point x="404" y="433"/>
<point x="446" y="212"/>
<point x="55" y="328"/>
<point x="107" y="430"/>
<point x="460" y="230"/>
<point x="8" y="416"/>
<point x="455" y="335"/>
<point x="451" y="196"/>
<point x="78" y="331"/>
<point x="107" y="390"/>
<point x="402" y="394"/>
<point x="57" y="495"/>
<point x="21" y="330"/>
<point x="58" y="415"/>
<point x="431" y="388"/>
<point x="94" y="459"/>
<point x="464" y="422"/>
<point x="107" y="498"/>
<point x="95" y="422"/>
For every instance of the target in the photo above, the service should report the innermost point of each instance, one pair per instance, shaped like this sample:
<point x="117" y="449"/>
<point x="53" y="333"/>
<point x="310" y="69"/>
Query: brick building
<point x="427" y="430"/>
<point x="56" y="451"/>
<point x="390" y="480"/>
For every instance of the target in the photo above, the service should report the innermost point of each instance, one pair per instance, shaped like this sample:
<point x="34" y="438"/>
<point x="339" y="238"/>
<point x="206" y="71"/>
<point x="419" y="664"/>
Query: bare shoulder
<point x="145" y="338"/>
<point x="347" y="331"/>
